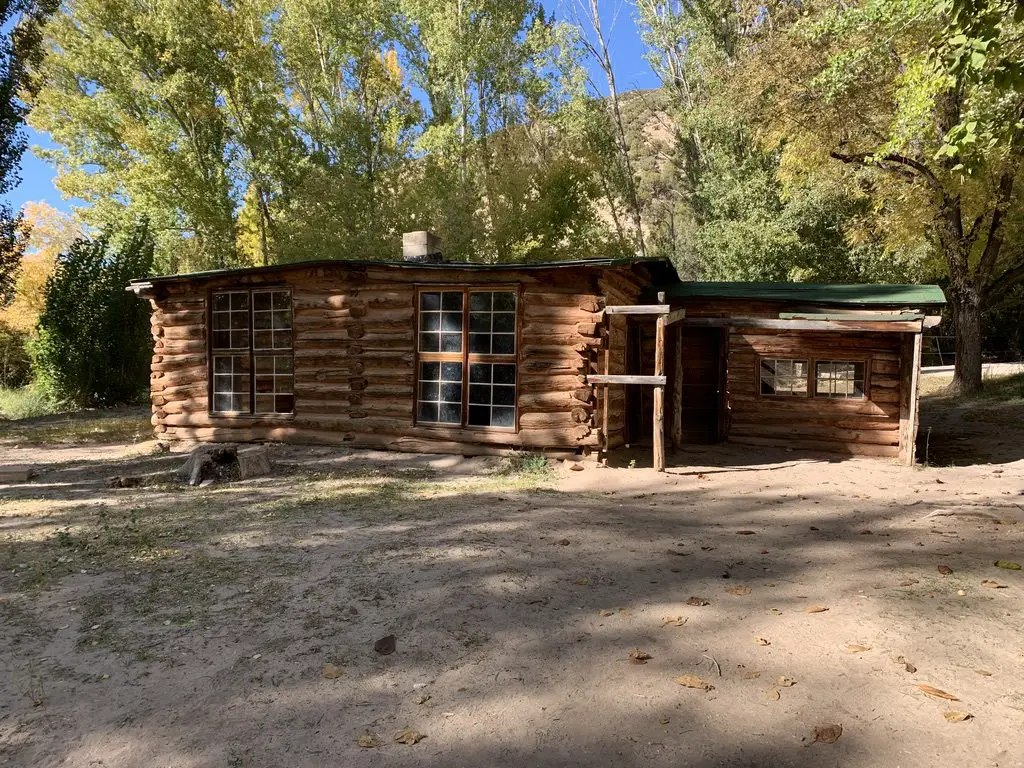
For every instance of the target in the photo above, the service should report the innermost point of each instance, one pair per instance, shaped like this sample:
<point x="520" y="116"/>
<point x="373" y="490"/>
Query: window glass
<point x="440" y="398"/>
<point x="783" y="376"/>
<point x="492" y="395"/>
<point x="839" y="379"/>
<point x="441" y="321"/>
<point x="488" y="329"/>
<point x="492" y="323"/>
<point x="261" y="380"/>
<point x="230" y="320"/>
<point x="231" y="383"/>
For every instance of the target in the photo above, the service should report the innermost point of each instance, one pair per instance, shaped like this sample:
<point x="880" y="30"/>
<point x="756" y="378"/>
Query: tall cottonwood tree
<point x="20" y="48"/>
<point x="903" y="94"/>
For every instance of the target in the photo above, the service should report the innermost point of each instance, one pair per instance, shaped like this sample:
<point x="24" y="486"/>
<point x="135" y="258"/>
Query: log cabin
<point x="569" y="358"/>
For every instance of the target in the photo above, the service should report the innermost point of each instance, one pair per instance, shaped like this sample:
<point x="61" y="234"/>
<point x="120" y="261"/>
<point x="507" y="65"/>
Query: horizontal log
<point x="657" y="381"/>
<point x="637" y="309"/>
<point x="824" y="446"/>
<point x="800" y="430"/>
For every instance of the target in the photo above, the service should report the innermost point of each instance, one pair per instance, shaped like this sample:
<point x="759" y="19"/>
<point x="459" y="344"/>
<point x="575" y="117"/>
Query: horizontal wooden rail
<point x="602" y="378"/>
<point x="910" y="326"/>
<point x="675" y="316"/>
<point x="638" y="309"/>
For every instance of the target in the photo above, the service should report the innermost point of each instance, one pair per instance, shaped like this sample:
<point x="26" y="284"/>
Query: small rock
<point x="385" y="646"/>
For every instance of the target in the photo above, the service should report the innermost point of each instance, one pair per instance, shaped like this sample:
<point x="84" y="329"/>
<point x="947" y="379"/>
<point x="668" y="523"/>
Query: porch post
<point x="659" y="392"/>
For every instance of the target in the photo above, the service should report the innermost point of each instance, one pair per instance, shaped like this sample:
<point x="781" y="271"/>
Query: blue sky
<point x="631" y="71"/>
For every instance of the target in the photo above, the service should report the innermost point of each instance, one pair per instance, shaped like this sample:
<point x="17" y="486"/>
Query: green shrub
<point x="15" y="365"/>
<point x="94" y="342"/>
<point x="25" y="403"/>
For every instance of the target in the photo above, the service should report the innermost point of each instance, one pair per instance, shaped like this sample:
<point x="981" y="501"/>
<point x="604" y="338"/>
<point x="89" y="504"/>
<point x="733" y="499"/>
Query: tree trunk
<point x="967" y="325"/>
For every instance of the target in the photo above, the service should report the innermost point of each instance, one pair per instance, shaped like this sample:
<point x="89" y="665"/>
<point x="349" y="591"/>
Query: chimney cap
<point x="422" y="246"/>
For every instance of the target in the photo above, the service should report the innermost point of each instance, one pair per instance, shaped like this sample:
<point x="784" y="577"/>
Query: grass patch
<point x="997" y="389"/>
<point x="25" y="403"/>
<point x="86" y="428"/>
<point x="525" y="464"/>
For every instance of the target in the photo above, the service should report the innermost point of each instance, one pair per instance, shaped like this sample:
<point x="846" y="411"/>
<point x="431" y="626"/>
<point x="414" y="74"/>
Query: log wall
<point x="868" y="426"/>
<point x="354" y="354"/>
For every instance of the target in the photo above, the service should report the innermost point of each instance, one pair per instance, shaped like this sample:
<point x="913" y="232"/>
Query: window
<point x="467" y="358"/>
<point x="783" y="377"/>
<point x="251" y="351"/>
<point x="839" y="379"/>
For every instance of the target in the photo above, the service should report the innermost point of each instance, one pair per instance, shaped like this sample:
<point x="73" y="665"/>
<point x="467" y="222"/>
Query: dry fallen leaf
<point x="751" y="675"/>
<point x="774" y="611"/>
<point x="692" y="681"/>
<point x="992" y="584"/>
<point x="815" y="609"/>
<point x="745" y="533"/>
<point x="639" y="657"/>
<point x="663" y="720"/>
<point x="698" y="601"/>
<point x="581" y="582"/>
<point x="673" y="621"/>
<point x="828" y="733"/>
<point x="910" y="668"/>
<point x="332" y="672"/>
<point x="606" y="612"/>
<point x="945" y="570"/>
<point x="762" y="641"/>
<point x="938" y="694"/>
<point x="1009" y="565"/>
<point x="368" y="740"/>
<point x="408" y="736"/>
<point x="786" y="682"/>
<point x="854" y="648"/>
<point x="772" y="695"/>
<point x="957" y="717"/>
<point x="907" y="583"/>
<point x="983" y="672"/>
<point x="738" y="590"/>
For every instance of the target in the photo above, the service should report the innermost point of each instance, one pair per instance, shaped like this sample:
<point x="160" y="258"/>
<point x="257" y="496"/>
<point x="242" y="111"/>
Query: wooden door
<point x="635" y="422"/>
<point x="703" y="377"/>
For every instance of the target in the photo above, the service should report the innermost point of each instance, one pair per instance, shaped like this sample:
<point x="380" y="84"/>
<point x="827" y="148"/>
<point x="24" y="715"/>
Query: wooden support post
<point x="659" y="396"/>
<point x="910" y="370"/>
<point x="605" y="394"/>
<point x="676" y="429"/>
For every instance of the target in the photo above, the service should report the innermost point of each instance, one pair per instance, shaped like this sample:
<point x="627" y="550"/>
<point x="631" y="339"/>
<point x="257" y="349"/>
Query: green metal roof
<point x="866" y="295"/>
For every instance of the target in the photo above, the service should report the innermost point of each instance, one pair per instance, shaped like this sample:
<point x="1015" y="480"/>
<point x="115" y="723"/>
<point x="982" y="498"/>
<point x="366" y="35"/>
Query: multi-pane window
<point x="782" y="376"/>
<point x="467" y="358"/>
<point x="492" y="394"/>
<point x="839" y="379"/>
<point x="251" y="340"/>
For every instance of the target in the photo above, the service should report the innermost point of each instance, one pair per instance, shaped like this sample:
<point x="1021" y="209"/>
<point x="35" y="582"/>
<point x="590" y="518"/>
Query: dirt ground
<point x="235" y="625"/>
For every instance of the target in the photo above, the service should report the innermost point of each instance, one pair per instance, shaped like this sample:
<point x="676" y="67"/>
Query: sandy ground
<point x="235" y="625"/>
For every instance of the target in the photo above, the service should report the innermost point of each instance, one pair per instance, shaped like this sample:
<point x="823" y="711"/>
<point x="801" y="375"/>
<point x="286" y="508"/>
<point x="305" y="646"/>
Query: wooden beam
<point x="909" y="326"/>
<point x="638" y="309"/>
<point x="675" y="316"/>
<point x="676" y="428"/>
<point x="607" y="371"/>
<point x="659" y="396"/>
<point x="910" y="370"/>
<point x="655" y="381"/>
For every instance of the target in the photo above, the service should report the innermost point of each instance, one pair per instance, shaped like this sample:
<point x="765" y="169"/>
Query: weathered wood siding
<point x="354" y="352"/>
<point x="868" y="426"/>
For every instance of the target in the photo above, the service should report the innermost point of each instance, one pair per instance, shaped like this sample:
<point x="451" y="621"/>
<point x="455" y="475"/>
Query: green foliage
<point x="94" y="343"/>
<point x="15" y="366"/>
<point x="26" y="402"/>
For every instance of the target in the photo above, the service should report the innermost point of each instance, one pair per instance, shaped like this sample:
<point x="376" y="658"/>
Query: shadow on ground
<point x="171" y="626"/>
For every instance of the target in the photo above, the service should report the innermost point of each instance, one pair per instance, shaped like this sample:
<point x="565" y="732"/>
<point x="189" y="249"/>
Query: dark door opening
<point x="702" y="385"/>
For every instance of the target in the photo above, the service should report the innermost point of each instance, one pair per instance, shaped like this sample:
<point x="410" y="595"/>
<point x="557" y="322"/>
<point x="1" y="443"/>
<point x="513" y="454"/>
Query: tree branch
<point x="1001" y="285"/>
<point x="868" y="158"/>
